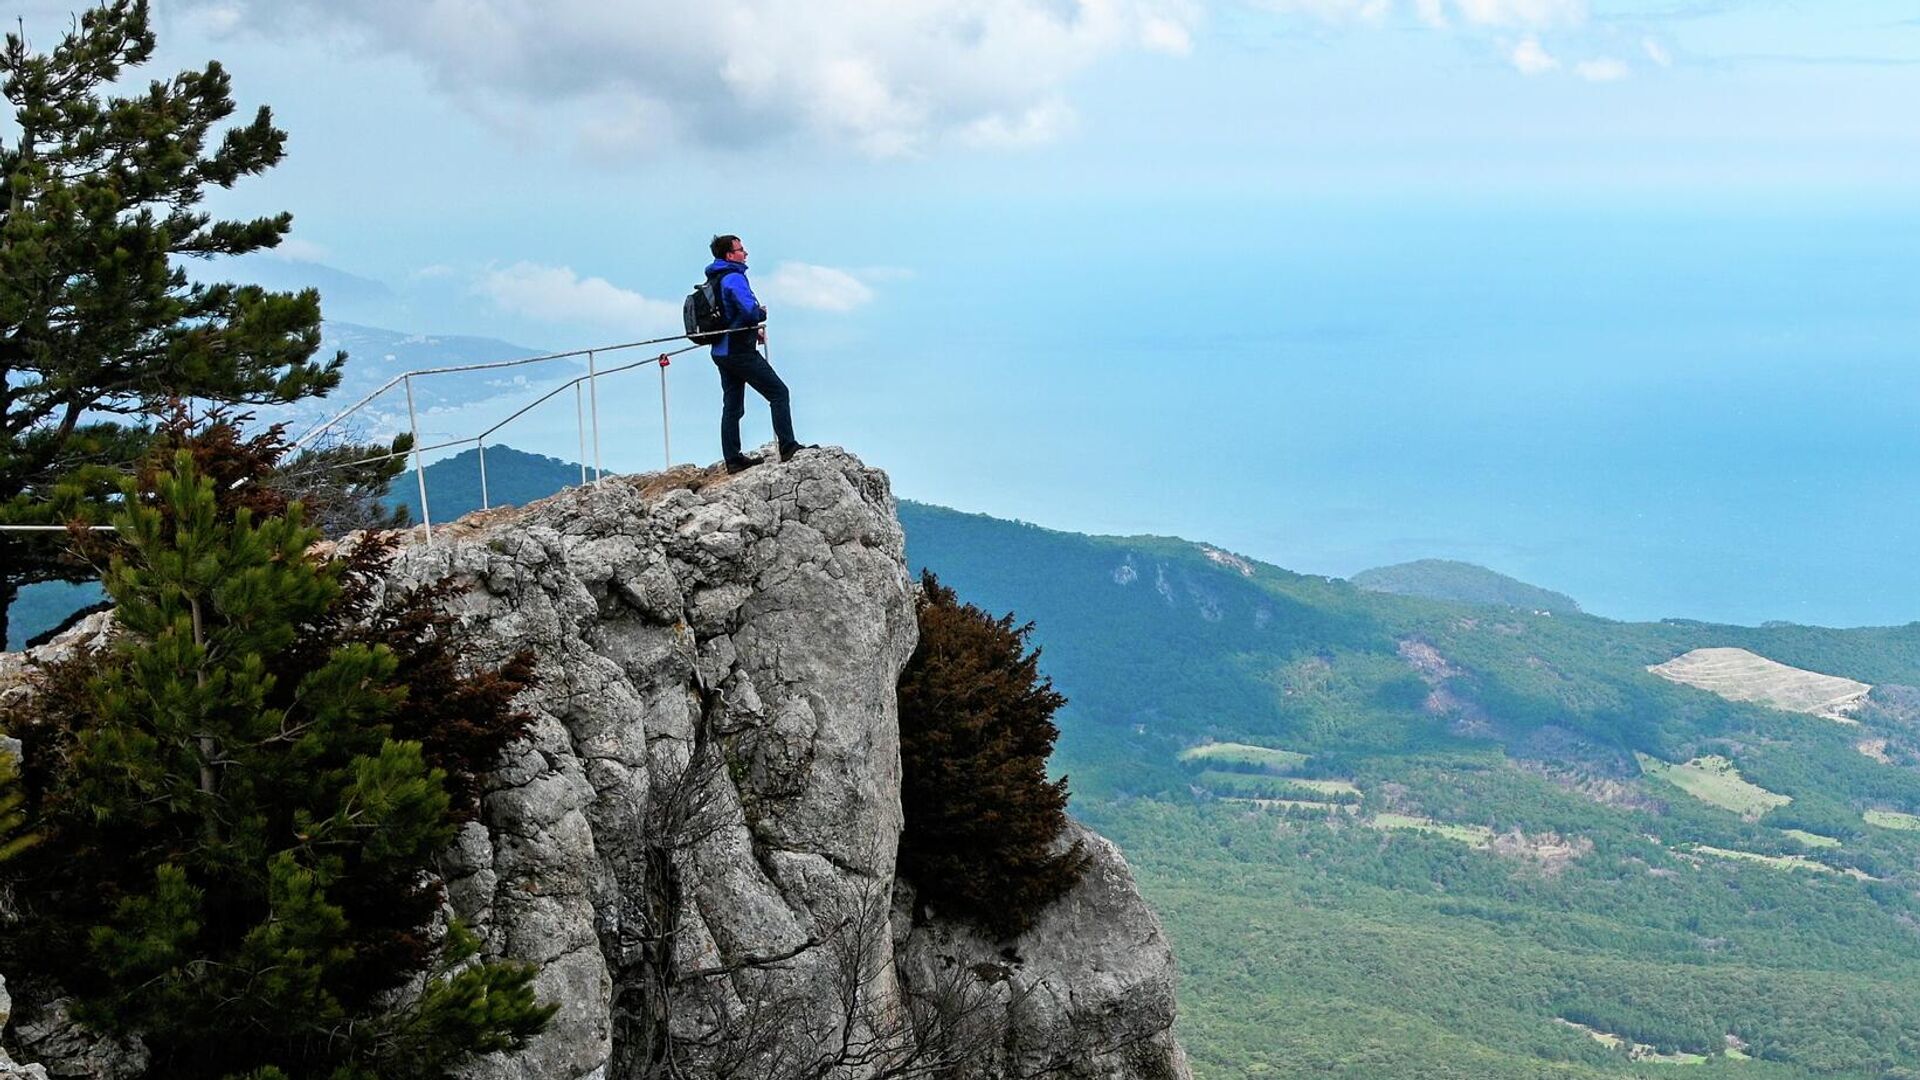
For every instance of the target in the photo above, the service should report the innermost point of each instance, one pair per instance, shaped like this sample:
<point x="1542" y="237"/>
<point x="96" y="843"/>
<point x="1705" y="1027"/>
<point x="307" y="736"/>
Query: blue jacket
<point x="740" y="306"/>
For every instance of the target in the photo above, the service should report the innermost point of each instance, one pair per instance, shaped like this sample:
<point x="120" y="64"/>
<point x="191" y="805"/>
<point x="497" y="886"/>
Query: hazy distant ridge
<point x="1463" y="582"/>
<point x="514" y="478"/>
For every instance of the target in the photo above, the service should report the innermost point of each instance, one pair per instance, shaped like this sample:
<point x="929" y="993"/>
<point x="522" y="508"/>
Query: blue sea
<point x="1694" y="411"/>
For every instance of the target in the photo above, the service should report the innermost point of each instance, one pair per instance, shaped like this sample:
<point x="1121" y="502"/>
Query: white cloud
<point x="1605" y="69"/>
<point x="888" y="78"/>
<point x="1528" y="13"/>
<point x="1372" y="11"/>
<point x="1531" y="59"/>
<point x="1037" y="125"/>
<point x="296" y="249"/>
<point x="820" y="288"/>
<point x="215" y="18"/>
<point x="1657" y="52"/>
<point x="556" y="294"/>
<point x="1163" y="35"/>
<point x="620" y="126"/>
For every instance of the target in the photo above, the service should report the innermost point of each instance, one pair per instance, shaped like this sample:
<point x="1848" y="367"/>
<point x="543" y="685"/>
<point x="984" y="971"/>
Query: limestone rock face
<point x="63" y="1048"/>
<point x="60" y="1047"/>
<point x="1087" y="993"/>
<point x="9" y="1069"/>
<point x="696" y="843"/>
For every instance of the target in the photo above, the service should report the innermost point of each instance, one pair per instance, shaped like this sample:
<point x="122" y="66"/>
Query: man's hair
<point x="722" y="245"/>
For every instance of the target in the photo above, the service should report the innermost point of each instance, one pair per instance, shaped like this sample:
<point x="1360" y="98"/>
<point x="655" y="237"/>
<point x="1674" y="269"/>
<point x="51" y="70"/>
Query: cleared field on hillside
<point x="1893" y="819"/>
<point x="1714" y="779"/>
<point x="1300" y="804"/>
<point x="1779" y="862"/>
<point x="1472" y="835"/>
<point x="1229" y="753"/>
<point x="1328" y="787"/>
<point x="1739" y="675"/>
<point x="1264" y="786"/>
<point x="1643" y="1053"/>
<point x="1814" y="840"/>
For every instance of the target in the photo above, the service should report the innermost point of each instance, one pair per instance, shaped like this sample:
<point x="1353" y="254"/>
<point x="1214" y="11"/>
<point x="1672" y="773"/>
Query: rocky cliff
<point x="696" y="844"/>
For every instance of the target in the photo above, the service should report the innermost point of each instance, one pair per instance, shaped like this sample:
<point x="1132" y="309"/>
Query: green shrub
<point x="241" y="802"/>
<point x="976" y="727"/>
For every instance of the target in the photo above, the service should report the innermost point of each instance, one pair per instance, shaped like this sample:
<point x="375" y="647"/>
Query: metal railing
<point x="586" y="413"/>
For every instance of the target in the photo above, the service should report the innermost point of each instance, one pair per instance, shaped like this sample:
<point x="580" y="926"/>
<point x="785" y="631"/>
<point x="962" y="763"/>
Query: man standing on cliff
<point x="738" y="357"/>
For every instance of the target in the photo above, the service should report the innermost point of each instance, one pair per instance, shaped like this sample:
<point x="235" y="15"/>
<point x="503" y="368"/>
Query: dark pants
<point x="736" y="374"/>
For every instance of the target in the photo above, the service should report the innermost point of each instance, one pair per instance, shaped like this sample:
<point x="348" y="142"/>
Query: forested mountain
<point x="514" y="478"/>
<point x="1447" y="579"/>
<point x="1401" y="837"/>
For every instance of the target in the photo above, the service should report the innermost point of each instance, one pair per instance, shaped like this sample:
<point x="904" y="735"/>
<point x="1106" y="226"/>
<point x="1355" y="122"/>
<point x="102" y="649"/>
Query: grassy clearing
<point x="1262" y="786"/>
<point x="1893" y="819"/>
<point x="1231" y="753"/>
<point x="1328" y="787"/>
<point x="1641" y="1052"/>
<point x="1681" y="1058"/>
<point x="1713" y="779"/>
<point x="1812" y="840"/>
<point x="1782" y="862"/>
<point x="1471" y="835"/>
<point x="1611" y="1042"/>
<point x="1299" y="804"/>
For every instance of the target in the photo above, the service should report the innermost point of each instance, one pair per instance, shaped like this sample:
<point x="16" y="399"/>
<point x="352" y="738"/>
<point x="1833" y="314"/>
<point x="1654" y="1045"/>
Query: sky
<point x="1619" y="298"/>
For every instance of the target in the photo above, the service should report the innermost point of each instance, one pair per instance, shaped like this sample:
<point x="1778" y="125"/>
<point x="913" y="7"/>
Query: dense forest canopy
<point x="1394" y="835"/>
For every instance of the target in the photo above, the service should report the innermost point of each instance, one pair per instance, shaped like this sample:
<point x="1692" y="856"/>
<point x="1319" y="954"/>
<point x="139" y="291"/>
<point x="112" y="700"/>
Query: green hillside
<point x="1403" y="837"/>
<point x="1446" y="579"/>
<point x="514" y="478"/>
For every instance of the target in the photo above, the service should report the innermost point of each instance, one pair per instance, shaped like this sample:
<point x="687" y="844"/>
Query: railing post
<point x="666" y="430"/>
<point x="482" y="444"/>
<point x="420" y="474"/>
<point x="580" y="422"/>
<point x="593" y="400"/>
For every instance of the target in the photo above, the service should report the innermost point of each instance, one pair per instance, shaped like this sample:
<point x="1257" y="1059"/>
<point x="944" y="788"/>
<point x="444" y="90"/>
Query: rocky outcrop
<point x="59" y="1047"/>
<point x="1088" y="992"/>
<point x="51" y="1037"/>
<point x="696" y="843"/>
<point x="9" y="1069"/>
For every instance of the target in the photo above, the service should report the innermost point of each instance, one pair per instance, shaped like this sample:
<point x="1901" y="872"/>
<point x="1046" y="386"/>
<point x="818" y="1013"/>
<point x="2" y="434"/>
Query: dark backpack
<point x="705" y="310"/>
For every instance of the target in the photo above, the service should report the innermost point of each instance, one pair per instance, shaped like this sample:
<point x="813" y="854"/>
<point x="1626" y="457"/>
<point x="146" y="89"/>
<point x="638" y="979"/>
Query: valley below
<point x="1399" y="836"/>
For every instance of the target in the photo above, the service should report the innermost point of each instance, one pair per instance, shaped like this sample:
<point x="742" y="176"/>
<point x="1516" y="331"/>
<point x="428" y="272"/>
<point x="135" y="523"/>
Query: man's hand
<point x="762" y="335"/>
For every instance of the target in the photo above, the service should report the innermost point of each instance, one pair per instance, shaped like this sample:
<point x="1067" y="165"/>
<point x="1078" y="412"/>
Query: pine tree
<point x="15" y="837"/>
<point x="238" y="845"/>
<point x="976" y="727"/>
<point x="99" y="197"/>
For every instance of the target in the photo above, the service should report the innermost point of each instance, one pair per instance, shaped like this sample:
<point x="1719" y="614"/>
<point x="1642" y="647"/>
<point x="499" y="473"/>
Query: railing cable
<point x="586" y="413"/>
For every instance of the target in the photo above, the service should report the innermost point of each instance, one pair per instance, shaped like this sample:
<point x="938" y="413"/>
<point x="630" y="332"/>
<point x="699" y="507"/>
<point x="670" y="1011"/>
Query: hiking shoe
<point x="743" y="463"/>
<point x="787" y="452"/>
